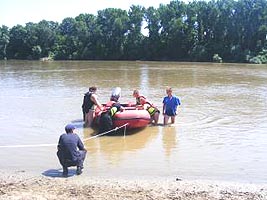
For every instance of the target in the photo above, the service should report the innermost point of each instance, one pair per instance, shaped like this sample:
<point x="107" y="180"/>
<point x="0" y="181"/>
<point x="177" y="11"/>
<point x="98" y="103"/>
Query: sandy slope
<point x="19" y="185"/>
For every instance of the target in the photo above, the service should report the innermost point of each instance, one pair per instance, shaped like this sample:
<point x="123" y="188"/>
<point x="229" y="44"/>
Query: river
<point x="220" y="131"/>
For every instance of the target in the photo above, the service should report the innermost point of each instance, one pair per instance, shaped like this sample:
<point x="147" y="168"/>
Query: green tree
<point x="152" y="43"/>
<point x="174" y="30"/>
<point x="85" y="29"/>
<point x="36" y="52"/>
<point x="112" y="27"/>
<point x="18" y="47"/>
<point x="66" y="45"/>
<point x="250" y="18"/>
<point x="196" y="31"/>
<point x="4" y="41"/>
<point x="133" y="49"/>
<point x="46" y="33"/>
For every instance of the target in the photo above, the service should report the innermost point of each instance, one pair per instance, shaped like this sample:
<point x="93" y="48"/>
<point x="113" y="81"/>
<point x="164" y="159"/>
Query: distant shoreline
<point x="49" y="60"/>
<point x="20" y="185"/>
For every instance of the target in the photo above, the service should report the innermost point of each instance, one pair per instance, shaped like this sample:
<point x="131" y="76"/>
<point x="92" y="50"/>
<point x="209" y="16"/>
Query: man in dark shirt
<point x="71" y="151"/>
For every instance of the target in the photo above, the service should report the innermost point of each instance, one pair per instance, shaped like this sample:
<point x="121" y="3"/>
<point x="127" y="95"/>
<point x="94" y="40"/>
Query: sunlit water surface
<point x="220" y="132"/>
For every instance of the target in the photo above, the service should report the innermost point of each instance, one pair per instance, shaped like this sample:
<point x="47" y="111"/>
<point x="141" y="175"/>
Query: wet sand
<point x="20" y="185"/>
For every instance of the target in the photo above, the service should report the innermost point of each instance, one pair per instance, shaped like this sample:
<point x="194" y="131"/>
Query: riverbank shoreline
<point x="20" y="185"/>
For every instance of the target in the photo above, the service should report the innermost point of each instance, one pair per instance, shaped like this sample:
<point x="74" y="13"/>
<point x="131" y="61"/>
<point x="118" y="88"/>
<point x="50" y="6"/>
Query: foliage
<point x="261" y="58"/>
<point x="215" y="30"/>
<point x="217" y="58"/>
<point x="4" y="40"/>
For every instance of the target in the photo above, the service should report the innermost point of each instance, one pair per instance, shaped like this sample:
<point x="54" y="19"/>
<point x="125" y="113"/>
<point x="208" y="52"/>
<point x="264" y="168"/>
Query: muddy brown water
<point x="220" y="131"/>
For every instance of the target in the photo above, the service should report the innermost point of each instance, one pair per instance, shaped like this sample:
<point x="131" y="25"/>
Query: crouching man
<point x="71" y="151"/>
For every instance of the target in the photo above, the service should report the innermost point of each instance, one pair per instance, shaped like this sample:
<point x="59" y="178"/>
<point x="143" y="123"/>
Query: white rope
<point x="27" y="145"/>
<point x="104" y="133"/>
<point x="55" y="144"/>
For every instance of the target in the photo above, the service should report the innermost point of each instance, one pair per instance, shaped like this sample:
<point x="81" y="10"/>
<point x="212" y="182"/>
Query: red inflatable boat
<point x="130" y="115"/>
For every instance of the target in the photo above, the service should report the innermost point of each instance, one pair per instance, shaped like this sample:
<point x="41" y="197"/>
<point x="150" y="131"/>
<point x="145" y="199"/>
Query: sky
<point x="14" y="12"/>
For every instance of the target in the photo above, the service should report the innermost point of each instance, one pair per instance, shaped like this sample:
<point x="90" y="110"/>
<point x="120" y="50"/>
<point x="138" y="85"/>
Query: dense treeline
<point x="228" y="30"/>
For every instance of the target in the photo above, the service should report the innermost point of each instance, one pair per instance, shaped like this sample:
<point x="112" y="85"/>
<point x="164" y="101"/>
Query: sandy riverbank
<point x="19" y="185"/>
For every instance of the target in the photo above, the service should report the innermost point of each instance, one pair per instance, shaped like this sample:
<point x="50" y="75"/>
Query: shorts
<point x="170" y="112"/>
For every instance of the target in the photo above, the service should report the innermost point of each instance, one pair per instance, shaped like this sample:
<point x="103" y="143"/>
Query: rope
<point x="55" y="144"/>
<point x="104" y="133"/>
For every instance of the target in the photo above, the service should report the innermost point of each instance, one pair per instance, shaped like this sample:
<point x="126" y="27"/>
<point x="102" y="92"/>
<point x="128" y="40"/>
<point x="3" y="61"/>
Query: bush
<point x="261" y="58"/>
<point x="255" y="60"/>
<point x="217" y="58"/>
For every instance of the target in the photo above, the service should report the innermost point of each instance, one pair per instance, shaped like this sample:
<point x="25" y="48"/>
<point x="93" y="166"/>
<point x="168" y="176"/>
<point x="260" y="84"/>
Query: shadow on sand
<point x="57" y="173"/>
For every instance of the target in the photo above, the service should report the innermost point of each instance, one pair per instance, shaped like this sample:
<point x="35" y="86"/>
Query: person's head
<point x="92" y="89"/>
<point x="114" y="98"/>
<point x="169" y="91"/>
<point x="115" y="94"/>
<point x="69" y="128"/>
<point x="135" y="93"/>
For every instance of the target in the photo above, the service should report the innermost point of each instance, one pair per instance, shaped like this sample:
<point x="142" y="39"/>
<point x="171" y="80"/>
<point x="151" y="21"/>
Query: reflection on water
<point x="113" y="148"/>
<point x="220" y="131"/>
<point x="169" y="139"/>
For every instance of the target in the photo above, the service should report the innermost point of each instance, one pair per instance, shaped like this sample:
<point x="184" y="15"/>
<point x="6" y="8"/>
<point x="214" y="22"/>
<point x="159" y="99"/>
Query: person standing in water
<point x="142" y="103"/>
<point x="138" y="97"/>
<point x="170" y="104"/>
<point x="90" y="101"/>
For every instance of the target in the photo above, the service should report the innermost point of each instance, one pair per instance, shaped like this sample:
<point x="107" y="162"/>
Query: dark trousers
<point x="105" y="122"/>
<point x="82" y="158"/>
<point x="68" y="163"/>
<point x="84" y="113"/>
